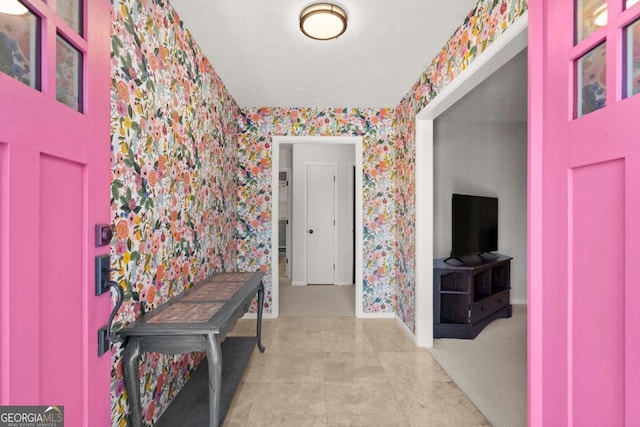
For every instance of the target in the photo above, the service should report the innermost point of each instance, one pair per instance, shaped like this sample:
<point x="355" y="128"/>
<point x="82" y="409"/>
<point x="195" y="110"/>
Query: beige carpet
<point x="492" y="368"/>
<point x="316" y="300"/>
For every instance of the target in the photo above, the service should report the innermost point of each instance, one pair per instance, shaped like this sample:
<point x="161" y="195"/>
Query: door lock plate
<point x="103" y="273"/>
<point x="103" y="341"/>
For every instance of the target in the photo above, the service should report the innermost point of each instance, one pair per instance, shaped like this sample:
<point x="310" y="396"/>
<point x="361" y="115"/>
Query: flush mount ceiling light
<point x="12" y="7"/>
<point x="600" y="17"/>
<point x="323" y="21"/>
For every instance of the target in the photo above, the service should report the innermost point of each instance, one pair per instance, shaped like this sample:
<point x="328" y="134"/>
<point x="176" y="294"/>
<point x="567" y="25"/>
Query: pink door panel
<point x="584" y="201"/>
<point x="54" y="182"/>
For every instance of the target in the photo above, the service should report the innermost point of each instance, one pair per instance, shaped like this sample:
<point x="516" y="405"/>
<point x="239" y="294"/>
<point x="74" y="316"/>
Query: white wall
<point x="343" y="156"/>
<point x="484" y="159"/>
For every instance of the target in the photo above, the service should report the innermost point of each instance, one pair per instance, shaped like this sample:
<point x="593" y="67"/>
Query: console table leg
<point x="131" y="360"/>
<point x="259" y="320"/>
<point x="214" y="358"/>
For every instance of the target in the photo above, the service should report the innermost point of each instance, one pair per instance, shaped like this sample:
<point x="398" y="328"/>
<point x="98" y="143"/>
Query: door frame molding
<point x="276" y="141"/>
<point x="506" y="46"/>
<point x="288" y="242"/>
<point x="335" y="216"/>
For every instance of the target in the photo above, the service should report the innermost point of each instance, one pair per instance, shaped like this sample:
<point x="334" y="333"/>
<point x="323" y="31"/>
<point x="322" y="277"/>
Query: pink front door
<point x="584" y="213"/>
<point x="54" y="180"/>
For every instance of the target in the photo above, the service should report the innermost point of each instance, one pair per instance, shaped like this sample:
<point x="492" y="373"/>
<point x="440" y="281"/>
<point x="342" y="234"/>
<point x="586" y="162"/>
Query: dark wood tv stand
<point x="468" y="296"/>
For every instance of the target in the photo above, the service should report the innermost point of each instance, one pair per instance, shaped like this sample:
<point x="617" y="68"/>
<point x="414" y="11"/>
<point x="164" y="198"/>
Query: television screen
<point x="474" y="225"/>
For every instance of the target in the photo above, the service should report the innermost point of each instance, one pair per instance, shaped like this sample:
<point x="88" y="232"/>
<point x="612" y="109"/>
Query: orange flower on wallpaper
<point x="151" y="294"/>
<point x="465" y="38"/>
<point x="160" y="273"/>
<point x="152" y="178"/>
<point x="162" y="161"/>
<point x="122" y="229"/>
<point x="123" y="90"/>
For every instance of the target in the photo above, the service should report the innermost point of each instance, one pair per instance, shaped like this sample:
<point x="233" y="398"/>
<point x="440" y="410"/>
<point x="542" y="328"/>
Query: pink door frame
<point x="54" y="179"/>
<point x="584" y="187"/>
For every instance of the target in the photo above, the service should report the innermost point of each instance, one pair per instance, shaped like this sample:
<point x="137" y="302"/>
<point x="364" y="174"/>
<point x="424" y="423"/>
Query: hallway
<point x="345" y="371"/>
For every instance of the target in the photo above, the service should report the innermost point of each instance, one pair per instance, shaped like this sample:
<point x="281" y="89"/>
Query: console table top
<point x="203" y="308"/>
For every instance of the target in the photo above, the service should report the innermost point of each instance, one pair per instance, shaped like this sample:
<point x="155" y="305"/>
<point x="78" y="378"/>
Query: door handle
<point x="310" y="231"/>
<point x="103" y="283"/>
<point x="105" y="334"/>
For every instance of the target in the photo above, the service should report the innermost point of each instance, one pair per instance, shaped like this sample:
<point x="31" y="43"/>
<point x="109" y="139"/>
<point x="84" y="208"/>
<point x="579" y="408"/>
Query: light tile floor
<point x="345" y="372"/>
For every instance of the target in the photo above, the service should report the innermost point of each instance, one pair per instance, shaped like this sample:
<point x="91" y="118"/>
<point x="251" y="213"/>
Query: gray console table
<point x="196" y="320"/>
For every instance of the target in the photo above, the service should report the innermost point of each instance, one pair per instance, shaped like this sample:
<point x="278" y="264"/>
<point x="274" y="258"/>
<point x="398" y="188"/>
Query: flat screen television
<point x="474" y="225"/>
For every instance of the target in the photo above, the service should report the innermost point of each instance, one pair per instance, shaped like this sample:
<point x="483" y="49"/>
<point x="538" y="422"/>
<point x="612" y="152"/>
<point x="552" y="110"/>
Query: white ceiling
<point x="264" y="60"/>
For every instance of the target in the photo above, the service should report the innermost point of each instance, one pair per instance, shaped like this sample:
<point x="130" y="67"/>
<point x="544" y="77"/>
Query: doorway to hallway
<point x="292" y="287"/>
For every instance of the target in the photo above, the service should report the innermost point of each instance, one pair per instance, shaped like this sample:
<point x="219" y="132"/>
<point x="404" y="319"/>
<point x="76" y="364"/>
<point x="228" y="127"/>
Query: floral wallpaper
<point x="254" y="173"/>
<point x="480" y="28"/>
<point x="174" y="186"/>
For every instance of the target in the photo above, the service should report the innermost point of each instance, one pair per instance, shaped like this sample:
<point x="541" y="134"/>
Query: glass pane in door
<point x="20" y="43"/>
<point x="71" y="12"/>
<point x="591" y="74"/>
<point x="633" y="59"/>
<point x="68" y="74"/>
<point x="590" y="15"/>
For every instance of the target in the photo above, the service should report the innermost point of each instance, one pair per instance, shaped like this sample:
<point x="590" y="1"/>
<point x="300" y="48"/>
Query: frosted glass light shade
<point x="323" y="21"/>
<point x="12" y="7"/>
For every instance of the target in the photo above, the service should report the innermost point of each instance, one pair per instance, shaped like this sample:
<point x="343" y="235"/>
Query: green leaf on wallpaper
<point x="116" y="44"/>
<point x="136" y="127"/>
<point x="128" y="24"/>
<point x="142" y="190"/>
<point x="128" y="161"/>
<point x="135" y="256"/>
<point x="126" y="60"/>
<point x="150" y="86"/>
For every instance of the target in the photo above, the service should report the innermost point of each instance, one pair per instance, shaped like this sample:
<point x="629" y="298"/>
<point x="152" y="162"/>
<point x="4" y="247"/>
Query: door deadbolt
<point x="104" y="233"/>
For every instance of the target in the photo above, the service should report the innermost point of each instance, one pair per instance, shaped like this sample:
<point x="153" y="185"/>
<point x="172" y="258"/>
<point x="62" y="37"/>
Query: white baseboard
<point x="298" y="283"/>
<point x="519" y="301"/>
<point x="348" y="283"/>
<point x="255" y="316"/>
<point x="376" y="315"/>
<point x="405" y="329"/>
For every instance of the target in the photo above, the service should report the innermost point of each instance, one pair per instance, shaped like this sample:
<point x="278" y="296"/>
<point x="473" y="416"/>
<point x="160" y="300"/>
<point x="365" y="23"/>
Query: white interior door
<point x="321" y="223"/>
